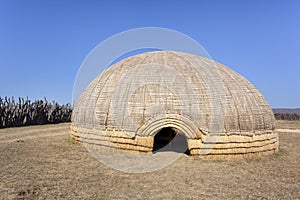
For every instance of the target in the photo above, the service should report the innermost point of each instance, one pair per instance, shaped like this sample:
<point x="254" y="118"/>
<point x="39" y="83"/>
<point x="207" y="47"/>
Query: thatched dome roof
<point x="138" y="103"/>
<point x="245" y="108"/>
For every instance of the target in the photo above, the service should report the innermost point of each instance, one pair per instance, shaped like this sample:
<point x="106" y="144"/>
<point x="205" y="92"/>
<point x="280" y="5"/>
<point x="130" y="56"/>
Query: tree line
<point x="287" y="116"/>
<point x="23" y="112"/>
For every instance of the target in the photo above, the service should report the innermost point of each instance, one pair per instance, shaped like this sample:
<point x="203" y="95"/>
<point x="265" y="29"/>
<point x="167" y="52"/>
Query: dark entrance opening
<point x="167" y="139"/>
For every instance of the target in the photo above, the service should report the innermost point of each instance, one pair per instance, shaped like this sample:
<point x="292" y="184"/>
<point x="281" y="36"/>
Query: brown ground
<point x="40" y="162"/>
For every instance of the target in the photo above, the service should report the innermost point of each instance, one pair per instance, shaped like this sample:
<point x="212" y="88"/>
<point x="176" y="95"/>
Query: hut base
<point x="232" y="146"/>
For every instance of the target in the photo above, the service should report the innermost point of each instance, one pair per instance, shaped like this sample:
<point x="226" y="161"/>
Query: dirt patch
<point x="41" y="162"/>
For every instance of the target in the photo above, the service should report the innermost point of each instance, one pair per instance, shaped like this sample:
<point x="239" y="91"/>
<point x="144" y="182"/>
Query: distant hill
<point x="286" y="111"/>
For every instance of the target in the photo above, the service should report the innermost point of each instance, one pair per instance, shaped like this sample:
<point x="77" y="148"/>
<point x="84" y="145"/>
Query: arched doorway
<point x="168" y="139"/>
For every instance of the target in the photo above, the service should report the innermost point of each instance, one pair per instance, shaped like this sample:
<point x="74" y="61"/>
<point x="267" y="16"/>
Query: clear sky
<point x="43" y="43"/>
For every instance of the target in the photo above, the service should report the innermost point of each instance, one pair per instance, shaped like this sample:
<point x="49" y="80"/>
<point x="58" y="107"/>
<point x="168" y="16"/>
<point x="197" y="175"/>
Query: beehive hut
<point x="137" y="103"/>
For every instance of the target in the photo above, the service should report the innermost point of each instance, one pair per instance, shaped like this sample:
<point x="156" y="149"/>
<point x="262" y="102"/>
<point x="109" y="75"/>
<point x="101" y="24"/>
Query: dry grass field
<point x="41" y="162"/>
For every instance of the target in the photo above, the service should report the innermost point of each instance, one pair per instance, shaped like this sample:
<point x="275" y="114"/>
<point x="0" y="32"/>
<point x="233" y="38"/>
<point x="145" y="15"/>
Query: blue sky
<point x="43" y="43"/>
